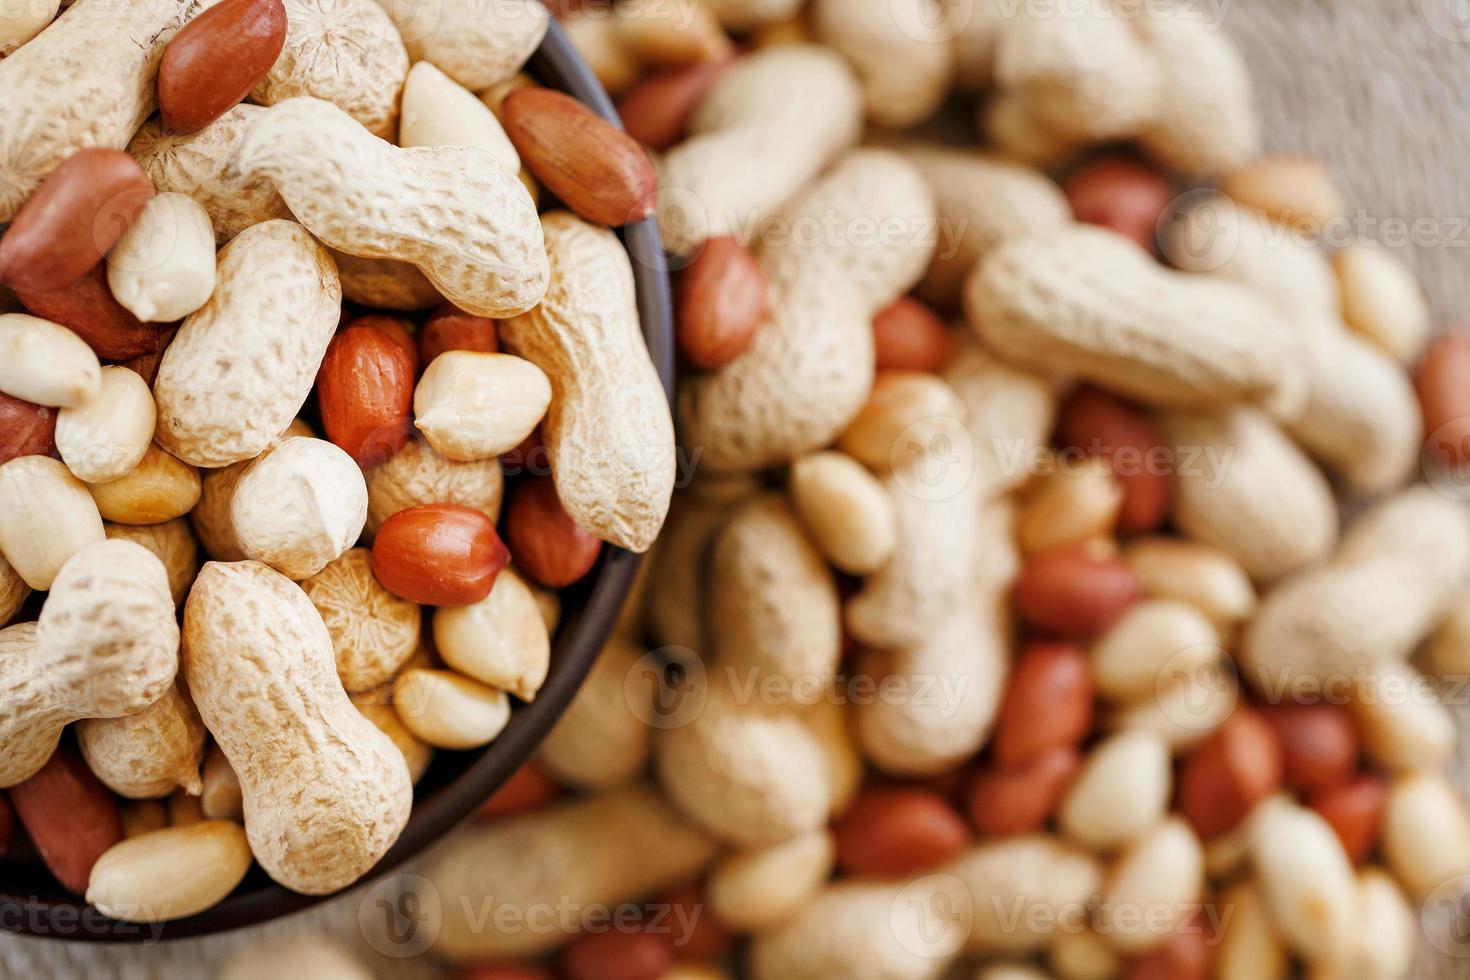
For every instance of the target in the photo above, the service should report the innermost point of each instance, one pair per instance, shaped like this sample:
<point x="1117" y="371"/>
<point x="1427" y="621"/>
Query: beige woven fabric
<point x="1379" y="89"/>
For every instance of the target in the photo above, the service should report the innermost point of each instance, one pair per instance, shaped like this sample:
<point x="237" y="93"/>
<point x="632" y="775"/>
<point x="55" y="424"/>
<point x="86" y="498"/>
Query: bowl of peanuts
<point x="308" y="540"/>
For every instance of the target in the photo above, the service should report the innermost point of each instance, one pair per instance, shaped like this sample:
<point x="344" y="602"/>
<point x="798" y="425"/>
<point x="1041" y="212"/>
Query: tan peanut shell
<point x="299" y="506"/>
<point x="1009" y="414"/>
<point x="46" y="516"/>
<point x="172" y="543"/>
<point x="260" y="667"/>
<point x="951" y="683"/>
<point x="88" y="80"/>
<point x="452" y="211"/>
<point x="1017" y="135"/>
<point x="417" y="475"/>
<point x="750" y="891"/>
<point x="898" y="50"/>
<point x="1204" y="120"/>
<point x="1088" y="75"/>
<point x="33" y="722"/>
<point x="148" y="754"/>
<point x="810" y="367"/>
<point x="1396" y="570"/>
<point x="477" y="45"/>
<point x="103" y="648"/>
<point x="602" y="740"/>
<point x="772" y="601"/>
<point x="982" y="201"/>
<point x="863" y="928"/>
<point x="1026" y="890"/>
<point x="384" y="283"/>
<point x="749" y="772"/>
<point x="374" y="632"/>
<point x="975" y="27"/>
<point x="240" y="368"/>
<point x="929" y="575"/>
<point x="110" y="617"/>
<point x="1088" y="301"/>
<point x="347" y="52"/>
<point x="751" y="147"/>
<point x="608" y="432"/>
<point x="679" y="570"/>
<point x="203" y="166"/>
<point x="1358" y="413"/>
<point x="500" y="641"/>
<point x="210" y="517"/>
<point x="601" y="850"/>
<point x="170" y="873"/>
<point x="1245" y="488"/>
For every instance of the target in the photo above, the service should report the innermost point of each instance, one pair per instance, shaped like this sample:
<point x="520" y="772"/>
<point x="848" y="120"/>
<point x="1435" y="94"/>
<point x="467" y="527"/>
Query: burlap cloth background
<point x="1378" y="88"/>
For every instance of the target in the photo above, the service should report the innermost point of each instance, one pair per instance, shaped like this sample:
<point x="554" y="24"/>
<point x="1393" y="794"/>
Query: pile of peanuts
<point x="177" y="285"/>
<point x="1053" y="591"/>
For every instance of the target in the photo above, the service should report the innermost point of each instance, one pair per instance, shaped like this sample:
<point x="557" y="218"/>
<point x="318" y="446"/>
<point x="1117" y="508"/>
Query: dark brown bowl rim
<point x="580" y="639"/>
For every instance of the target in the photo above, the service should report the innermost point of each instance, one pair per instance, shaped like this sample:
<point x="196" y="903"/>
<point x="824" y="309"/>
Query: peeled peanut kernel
<point x="1195" y="573"/>
<point x="438" y="111"/>
<point x="846" y="510"/>
<point x="46" y="516"/>
<point x="1154" y="641"/>
<point x="749" y="891"/>
<point x="220" y="798"/>
<point x="162" y="269"/>
<point x="415" y="753"/>
<point x="1069" y="507"/>
<point x="1032" y="889"/>
<point x="1426" y="833"/>
<point x="106" y="436"/>
<point x="1249" y="947"/>
<point x="1153" y="886"/>
<point x="1402" y="722"/>
<point x="45" y="363"/>
<point x="1306" y="879"/>
<point x="303" y="954"/>
<point x="299" y="507"/>
<point x="170" y="873"/>
<point x="1121" y="792"/>
<point x="500" y="641"/>
<point x="1381" y="299"/>
<point x="13" y="591"/>
<point x="448" y="711"/>
<point x="905" y="411"/>
<point x="374" y="632"/>
<point x="160" y="488"/>
<point x="472" y="405"/>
